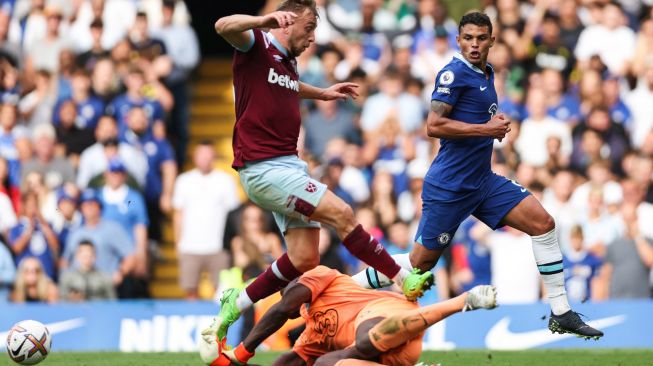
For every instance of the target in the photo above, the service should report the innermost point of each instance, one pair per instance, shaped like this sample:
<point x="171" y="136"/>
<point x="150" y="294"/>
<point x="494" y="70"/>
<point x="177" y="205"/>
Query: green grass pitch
<point x="614" y="357"/>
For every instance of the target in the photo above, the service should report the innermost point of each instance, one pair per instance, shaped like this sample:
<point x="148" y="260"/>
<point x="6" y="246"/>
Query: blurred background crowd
<point x="94" y="119"/>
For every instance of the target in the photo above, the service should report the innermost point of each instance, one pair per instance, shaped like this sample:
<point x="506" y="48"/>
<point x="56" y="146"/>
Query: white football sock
<point x="243" y="301"/>
<point x="549" y="262"/>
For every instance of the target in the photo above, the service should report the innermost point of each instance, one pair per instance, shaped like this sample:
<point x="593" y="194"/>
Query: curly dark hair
<point x="476" y="18"/>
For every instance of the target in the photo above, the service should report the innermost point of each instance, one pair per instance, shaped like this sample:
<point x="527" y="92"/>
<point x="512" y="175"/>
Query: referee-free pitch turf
<point x="612" y="357"/>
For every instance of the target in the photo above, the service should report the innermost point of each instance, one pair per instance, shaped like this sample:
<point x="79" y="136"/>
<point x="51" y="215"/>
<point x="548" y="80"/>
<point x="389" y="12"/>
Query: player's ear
<point x="458" y="41"/>
<point x="492" y="39"/>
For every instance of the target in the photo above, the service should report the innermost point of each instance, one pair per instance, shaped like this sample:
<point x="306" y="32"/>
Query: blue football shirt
<point x="464" y="164"/>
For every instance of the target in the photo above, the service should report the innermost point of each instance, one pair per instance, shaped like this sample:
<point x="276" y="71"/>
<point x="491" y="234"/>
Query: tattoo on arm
<point x="440" y="108"/>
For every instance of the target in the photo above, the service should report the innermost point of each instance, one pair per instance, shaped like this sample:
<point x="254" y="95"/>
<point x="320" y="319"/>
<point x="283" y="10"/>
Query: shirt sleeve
<point x="318" y="279"/>
<point x="448" y="86"/>
<point x="139" y="210"/>
<point x="178" y="193"/>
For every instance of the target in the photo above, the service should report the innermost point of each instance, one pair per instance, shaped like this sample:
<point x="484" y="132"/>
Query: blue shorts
<point x="443" y="210"/>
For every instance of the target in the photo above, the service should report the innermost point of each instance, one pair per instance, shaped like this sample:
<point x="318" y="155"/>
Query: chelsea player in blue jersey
<point x="460" y="181"/>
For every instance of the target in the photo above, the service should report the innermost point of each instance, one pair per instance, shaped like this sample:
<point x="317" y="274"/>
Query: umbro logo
<point x="483" y="88"/>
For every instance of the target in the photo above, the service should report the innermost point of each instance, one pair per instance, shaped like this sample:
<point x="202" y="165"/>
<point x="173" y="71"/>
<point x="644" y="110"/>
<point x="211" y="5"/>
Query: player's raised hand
<point x="340" y="91"/>
<point x="498" y="127"/>
<point x="278" y="19"/>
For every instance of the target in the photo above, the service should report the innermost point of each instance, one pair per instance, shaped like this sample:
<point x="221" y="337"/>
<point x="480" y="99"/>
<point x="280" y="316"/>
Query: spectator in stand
<point x="328" y="249"/>
<point x="614" y="136"/>
<point x="43" y="54"/>
<point x="56" y="170"/>
<point x="7" y="213"/>
<point x="89" y="58"/>
<point x="256" y="243"/>
<point x="89" y="107"/>
<point x="600" y="228"/>
<point x="84" y="282"/>
<point x="398" y="240"/>
<point x="570" y="24"/>
<point x="581" y="268"/>
<point x="14" y="148"/>
<point x="72" y="140"/>
<point x="135" y="97"/>
<point x="514" y="272"/>
<point x="471" y="260"/>
<point x="429" y="60"/>
<point x="545" y="49"/>
<point x="125" y="206"/>
<point x="332" y="177"/>
<point x="33" y="236"/>
<point x="32" y="284"/>
<point x="328" y="121"/>
<point x="66" y="218"/>
<point x="537" y="128"/>
<point x="633" y="194"/>
<point x="643" y="47"/>
<point x="557" y="201"/>
<point x="588" y="151"/>
<point x="7" y="272"/>
<point x="639" y="102"/>
<point x="104" y="82"/>
<point x="625" y="274"/>
<point x="161" y="171"/>
<point x="392" y="102"/>
<point x="94" y="160"/>
<point x="201" y="200"/>
<point x="181" y="43"/>
<point x="610" y="34"/>
<point x="36" y="107"/>
<point x="619" y="111"/>
<point x="561" y="106"/>
<point x="642" y="173"/>
<point x="115" y="251"/>
<point x="600" y="177"/>
<point x="388" y="149"/>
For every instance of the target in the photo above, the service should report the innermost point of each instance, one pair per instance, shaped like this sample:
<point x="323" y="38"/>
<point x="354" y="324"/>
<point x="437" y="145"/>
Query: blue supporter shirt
<point x="158" y="151"/>
<point x="464" y="164"/>
<point x="121" y="105"/>
<point x="38" y="246"/>
<point x="128" y="211"/>
<point x="88" y="113"/>
<point x="9" y="152"/>
<point x="112" y="245"/>
<point x="579" y="271"/>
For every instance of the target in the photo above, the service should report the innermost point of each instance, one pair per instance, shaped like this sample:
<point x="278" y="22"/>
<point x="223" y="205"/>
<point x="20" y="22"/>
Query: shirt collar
<point x="459" y="56"/>
<point x="277" y="44"/>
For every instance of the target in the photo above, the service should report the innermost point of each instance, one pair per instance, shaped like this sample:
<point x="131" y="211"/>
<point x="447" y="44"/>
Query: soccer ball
<point x="28" y="342"/>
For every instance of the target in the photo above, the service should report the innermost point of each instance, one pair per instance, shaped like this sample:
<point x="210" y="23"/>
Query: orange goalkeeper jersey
<point x="335" y="311"/>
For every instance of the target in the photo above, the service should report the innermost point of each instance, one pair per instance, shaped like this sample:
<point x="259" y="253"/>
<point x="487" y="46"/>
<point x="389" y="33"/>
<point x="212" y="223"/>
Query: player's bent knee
<point x="545" y="225"/>
<point x="305" y="264"/>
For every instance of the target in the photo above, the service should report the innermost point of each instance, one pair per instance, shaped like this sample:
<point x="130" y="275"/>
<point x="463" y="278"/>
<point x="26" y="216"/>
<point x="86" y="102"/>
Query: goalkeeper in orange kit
<point x="347" y="325"/>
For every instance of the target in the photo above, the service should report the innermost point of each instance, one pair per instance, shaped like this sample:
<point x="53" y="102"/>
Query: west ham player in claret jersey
<point x="460" y="181"/>
<point x="268" y="92"/>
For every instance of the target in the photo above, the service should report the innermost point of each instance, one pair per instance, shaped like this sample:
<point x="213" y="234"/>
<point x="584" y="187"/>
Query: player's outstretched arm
<point x="294" y="296"/>
<point x="235" y="28"/>
<point x="335" y="91"/>
<point x="439" y="125"/>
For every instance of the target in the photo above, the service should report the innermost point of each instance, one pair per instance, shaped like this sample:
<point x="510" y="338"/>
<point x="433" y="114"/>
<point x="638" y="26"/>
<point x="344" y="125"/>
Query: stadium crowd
<point x="90" y="99"/>
<point x="93" y="97"/>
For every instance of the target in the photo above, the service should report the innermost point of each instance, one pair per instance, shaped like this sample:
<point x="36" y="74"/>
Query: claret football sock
<point x="362" y="245"/>
<point x="549" y="263"/>
<point x="276" y="277"/>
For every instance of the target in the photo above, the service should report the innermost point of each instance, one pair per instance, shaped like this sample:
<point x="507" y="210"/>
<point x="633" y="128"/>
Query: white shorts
<point x="282" y="185"/>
